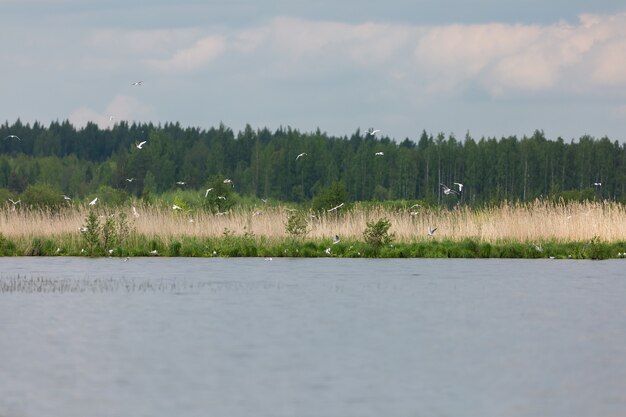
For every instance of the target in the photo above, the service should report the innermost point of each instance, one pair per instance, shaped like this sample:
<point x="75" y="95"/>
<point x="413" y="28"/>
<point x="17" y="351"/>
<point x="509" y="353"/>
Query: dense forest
<point x="265" y="164"/>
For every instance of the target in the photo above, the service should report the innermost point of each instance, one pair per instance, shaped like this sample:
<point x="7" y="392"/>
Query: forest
<point x="292" y="166"/>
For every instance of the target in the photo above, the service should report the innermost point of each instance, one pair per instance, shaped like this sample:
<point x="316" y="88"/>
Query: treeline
<point x="262" y="163"/>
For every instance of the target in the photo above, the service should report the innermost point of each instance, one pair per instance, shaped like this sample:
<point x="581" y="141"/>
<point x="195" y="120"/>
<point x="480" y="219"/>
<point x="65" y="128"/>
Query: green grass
<point x="248" y="245"/>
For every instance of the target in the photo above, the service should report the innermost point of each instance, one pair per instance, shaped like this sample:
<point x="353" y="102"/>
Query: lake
<point x="311" y="337"/>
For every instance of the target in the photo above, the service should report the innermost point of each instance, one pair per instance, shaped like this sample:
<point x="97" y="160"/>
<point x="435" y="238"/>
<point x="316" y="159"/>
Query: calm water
<point x="311" y="337"/>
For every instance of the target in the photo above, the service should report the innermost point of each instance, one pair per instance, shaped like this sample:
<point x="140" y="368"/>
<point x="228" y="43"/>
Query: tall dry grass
<point x="538" y="221"/>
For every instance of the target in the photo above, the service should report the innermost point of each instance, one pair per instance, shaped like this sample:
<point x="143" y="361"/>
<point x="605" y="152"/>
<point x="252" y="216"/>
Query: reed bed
<point x="533" y="222"/>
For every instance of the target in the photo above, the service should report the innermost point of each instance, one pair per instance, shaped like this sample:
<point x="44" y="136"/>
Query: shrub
<point x="296" y="225"/>
<point x="377" y="233"/>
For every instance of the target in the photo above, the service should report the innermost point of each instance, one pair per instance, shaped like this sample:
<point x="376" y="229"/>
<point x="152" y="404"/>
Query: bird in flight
<point x="458" y="184"/>
<point x="66" y="198"/>
<point x="175" y="207"/>
<point x="140" y="144"/>
<point x="300" y="155"/>
<point x="137" y="83"/>
<point x="447" y="190"/>
<point x="229" y="181"/>
<point x="135" y="212"/>
<point x="93" y="202"/>
<point x="431" y="231"/>
<point x="208" y="190"/>
<point x="379" y="154"/>
<point x="13" y="137"/>
<point x="335" y="208"/>
<point x="336" y="240"/>
<point x="181" y="183"/>
<point x="130" y="179"/>
<point x="373" y="131"/>
<point x="597" y="184"/>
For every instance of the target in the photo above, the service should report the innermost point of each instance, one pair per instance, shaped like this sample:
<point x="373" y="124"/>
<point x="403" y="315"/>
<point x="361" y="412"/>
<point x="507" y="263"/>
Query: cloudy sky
<point x="488" y="67"/>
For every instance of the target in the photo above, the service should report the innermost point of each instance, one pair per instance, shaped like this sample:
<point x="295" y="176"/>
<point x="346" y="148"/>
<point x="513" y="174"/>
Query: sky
<point x="487" y="68"/>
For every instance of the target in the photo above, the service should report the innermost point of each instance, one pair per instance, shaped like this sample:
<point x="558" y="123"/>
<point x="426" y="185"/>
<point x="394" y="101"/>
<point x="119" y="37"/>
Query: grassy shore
<point x="541" y="229"/>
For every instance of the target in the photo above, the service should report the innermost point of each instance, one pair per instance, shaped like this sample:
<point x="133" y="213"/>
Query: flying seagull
<point x="66" y="198"/>
<point x="373" y="131"/>
<point x="13" y="137"/>
<point x="300" y="155"/>
<point x="229" y="181"/>
<point x="181" y="183"/>
<point x="93" y="202"/>
<point x="208" y="190"/>
<point x="447" y="191"/>
<point x="175" y="207"/>
<point x="138" y="83"/>
<point x="379" y="154"/>
<point x="15" y="202"/>
<point x="431" y="231"/>
<point x="140" y="144"/>
<point x="135" y="212"/>
<point x="336" y="240"/>
<point x="597" y="184"/>
<point x="458" y="184"/>
<point x="335" y="208"/>
<point x="130" y="179"/>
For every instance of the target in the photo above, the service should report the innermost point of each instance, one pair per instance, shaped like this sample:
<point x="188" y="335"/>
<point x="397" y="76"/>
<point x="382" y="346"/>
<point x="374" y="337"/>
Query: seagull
<point x="373" y="131"/>
<point x="327" y="251"/>
<point x="597" y="184"/>
<point x="379" y="154"/>
<point x="135" y="212"/>
<point x="229" y="181"/>
<point x="140" y="144"/>
<point x="138" y="83"/>
<point x="111" y="118"/>
<point x="175" y="207"/>
<point x="431" y="231"/>
<point x="15" y="202"/>
<point x="208" y="190"/>
<point x="221" y="197"/>
<point x="335" y="208"/>
<point x="181" y="183"/>
<point x="447" y="190"/>
<point x="13" y="137"/>
<point x="336" y="240"/>
<point x="130" y="179"/>
<point x="66" y="198"/>
<point x="300" y="155"/>
<point x="458" y="184"/>
<point x="82" y="229"/>
<point x="154" y="253"/>
<point x="93" y="202"/>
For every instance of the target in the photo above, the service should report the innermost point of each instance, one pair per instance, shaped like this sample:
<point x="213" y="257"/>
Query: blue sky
<point x="490" y="68"/>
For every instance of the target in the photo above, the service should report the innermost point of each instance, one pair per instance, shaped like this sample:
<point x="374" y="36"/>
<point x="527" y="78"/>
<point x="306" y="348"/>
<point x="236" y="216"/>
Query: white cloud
<point x="197" y="56"/>
<point x="120" y="108"/>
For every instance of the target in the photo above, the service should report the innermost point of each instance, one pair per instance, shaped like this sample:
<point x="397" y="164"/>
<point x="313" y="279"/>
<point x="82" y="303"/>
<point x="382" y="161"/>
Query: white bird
<point x="336" y="240"/>
<point x="110" y="251"/>
<point x="93" y="202"/>
<point x="597" y="184"/>
<point x="175" y="207"/>
<point x="379" y="154"/>
<point x="130" y="179"/>
<point x="373" y="131"/>
<point x="335" y="208"/>
<point x="15" y="202"/>
<point x="208" y="190"/>
<point x="221" y="197"/>
<point x="229" y="181"/>
<point x="137" y="83"/>
<point x="154" y="253"/>
<point x="327" y="251"/>
<point x="460" y="186"/>
<point x="66" y="198"/>
<point x="135" y="212"/>
<point x="140" y="144"/>
<point x="447" y="190"/>
<point x="82" y="229"/>
<point x="12" y="137"/>
<point x="111" y="118"/>
<point x="181" y="183"/>
<point x="431" y="231"/>
<point x="300" y="155"/>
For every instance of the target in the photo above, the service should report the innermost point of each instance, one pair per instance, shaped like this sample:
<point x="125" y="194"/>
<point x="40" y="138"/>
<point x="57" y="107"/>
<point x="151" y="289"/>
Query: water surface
<point x="311" y="337"/>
